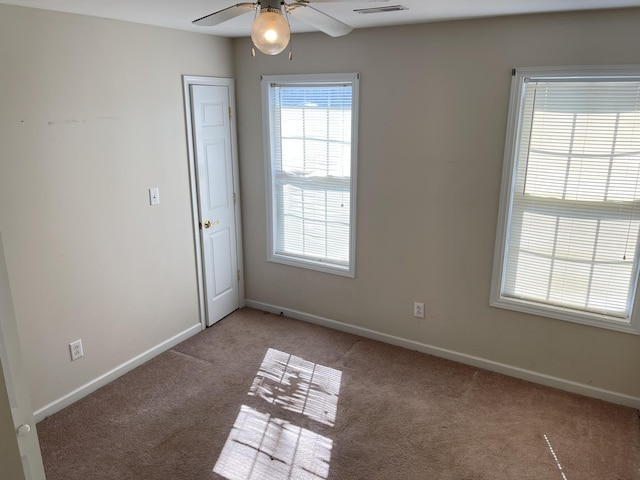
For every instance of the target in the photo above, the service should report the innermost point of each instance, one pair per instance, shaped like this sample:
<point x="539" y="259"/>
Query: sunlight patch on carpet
<point x="555" y="457"/>
<point x="262" y="447"/>
<point x="298" y="385"/>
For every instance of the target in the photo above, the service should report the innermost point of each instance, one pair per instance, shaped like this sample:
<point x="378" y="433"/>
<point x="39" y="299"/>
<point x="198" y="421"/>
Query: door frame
<point x="15" y="382"/>
<point x="188" y="81"/>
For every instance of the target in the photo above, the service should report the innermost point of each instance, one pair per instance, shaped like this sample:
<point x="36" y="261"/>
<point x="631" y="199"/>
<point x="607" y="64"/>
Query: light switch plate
<point x="154" y="196"/>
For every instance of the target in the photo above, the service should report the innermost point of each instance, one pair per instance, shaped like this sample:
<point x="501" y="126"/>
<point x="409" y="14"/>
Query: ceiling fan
<point x="271" y="31"/>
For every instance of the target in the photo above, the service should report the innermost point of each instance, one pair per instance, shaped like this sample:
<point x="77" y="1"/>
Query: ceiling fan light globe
<point x="270" y="32"/>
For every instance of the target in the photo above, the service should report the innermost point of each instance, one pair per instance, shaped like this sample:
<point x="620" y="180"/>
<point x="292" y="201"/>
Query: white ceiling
<point x="178" y="14"/>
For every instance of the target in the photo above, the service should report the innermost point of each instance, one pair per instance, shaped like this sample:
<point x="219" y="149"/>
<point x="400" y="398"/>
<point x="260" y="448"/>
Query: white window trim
<point x="508" y="183"/>
<point x="266" y="80"/>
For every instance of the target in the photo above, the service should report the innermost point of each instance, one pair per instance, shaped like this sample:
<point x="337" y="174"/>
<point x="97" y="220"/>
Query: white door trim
<point x="188" y="81"/>
<point x="12" y="366"/>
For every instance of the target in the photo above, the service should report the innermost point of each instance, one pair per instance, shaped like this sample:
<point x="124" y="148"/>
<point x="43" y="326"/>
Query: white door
<point x="213" y="148"/>
<point x="14" y="376"/>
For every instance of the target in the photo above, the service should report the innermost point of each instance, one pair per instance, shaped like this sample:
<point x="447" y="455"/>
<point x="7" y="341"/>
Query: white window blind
<point x="311" y="168"/>
<point x="572" y="224"/>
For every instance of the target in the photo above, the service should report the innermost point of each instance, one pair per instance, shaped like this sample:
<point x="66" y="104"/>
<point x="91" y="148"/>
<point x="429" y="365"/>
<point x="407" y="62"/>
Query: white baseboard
<point x="110" y="376"/>
<point x="531" y="376"/>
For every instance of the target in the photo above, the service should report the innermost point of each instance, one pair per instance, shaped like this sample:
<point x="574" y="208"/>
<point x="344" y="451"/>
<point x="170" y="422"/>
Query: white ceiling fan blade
<point x="323" y="22"/>
<point x="225" y="14"/>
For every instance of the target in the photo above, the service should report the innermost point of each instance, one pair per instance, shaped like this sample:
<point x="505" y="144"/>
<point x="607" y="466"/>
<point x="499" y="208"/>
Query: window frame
<point x="508" y="184"/>
<point x="267" y="117"/>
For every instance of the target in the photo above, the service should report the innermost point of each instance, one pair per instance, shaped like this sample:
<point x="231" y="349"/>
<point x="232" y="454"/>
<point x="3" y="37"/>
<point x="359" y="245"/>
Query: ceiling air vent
<point x="390" y="8"/>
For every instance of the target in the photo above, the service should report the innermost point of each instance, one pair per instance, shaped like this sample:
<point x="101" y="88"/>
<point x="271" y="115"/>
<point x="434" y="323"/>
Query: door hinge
<point x="238" y="275"/>
<point x="234" y="198"/>
<point x="229" y="112"/>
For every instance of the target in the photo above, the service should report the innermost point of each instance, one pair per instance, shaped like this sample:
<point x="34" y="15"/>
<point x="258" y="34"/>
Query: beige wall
<point x="91" y="116"/>
<point x="433" y="113"/>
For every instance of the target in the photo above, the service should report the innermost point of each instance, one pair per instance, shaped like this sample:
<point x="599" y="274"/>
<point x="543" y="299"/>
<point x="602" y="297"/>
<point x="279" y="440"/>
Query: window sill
<point x="566" y="314"/>
<point x="311" y="265"/>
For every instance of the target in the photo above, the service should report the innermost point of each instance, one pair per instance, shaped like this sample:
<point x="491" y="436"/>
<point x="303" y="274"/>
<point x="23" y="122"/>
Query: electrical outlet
<point x="418" y="309"/>
<point x="75" y="348"/>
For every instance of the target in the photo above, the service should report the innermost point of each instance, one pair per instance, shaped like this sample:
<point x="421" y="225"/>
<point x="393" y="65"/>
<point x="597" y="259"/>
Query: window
<point x="567" y="242"/>
<point x="310" y="142"/>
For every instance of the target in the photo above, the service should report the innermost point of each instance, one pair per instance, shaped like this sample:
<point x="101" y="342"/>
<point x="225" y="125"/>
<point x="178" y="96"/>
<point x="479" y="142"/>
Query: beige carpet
<point x="264" y="397"/>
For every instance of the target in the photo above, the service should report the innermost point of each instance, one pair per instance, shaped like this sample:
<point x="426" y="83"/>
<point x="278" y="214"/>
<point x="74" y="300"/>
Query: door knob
<point x="209" y="224"/>
<point x="22" y="430"/>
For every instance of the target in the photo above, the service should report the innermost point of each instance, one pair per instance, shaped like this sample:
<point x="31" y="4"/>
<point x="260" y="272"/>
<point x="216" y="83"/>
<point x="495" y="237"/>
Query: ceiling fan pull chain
<point x="255" y="15"/>
<point x="286" y="15"/>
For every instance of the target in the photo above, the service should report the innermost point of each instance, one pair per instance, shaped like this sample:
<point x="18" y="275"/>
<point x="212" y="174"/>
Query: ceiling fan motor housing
<point x="270" y="5"/>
